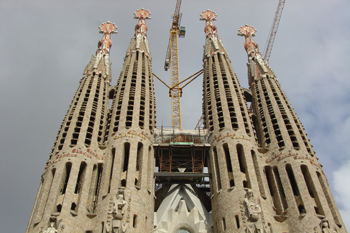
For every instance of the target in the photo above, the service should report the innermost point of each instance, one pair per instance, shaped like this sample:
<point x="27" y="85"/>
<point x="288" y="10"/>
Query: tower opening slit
<point x="111" y="171"/>
<point x="258" y="174"/>
<point x="139" y="161"/>
<point x="312" y="190"/>
<point x="229" y="164"/>
<point x="243" y="166"/>
<point x="280" y="188"/>
<point x="275" y="194"/>
<point x="217" y="171"/>
<point x="293" y="183"/>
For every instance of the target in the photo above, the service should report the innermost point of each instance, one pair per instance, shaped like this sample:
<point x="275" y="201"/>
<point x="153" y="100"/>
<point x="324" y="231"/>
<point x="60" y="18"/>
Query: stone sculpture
<point x="118" y="211"/>
<point x="325" y="227"/>
<point x="50" y="229"/>
<point x="253" y="210"/>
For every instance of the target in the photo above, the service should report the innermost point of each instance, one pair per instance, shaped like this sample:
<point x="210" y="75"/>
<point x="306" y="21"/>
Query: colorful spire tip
<point x="247" y="31"/>
<point x="108" y="28"/>
<point x="208" y="15"/>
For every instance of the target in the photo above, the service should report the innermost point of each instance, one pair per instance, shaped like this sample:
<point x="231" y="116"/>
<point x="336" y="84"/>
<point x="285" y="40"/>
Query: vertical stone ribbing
<point x="226" y="115"/>
<point x="77" y="149"/>
<point x="291" y="168"/>
<point x="132" y="119"/>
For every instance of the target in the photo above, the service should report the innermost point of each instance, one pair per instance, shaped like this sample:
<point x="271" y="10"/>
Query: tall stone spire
<point x="133" y="101"/>
<point x="234" y="186"/>
<point x="271" y="105"/>
<point x="299" y="192"/>
<point x="129" y="167"/>
<point x="70" y="183"/>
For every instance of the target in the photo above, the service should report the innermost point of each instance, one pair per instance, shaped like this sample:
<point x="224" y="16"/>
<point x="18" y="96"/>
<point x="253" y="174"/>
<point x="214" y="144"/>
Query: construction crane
<point x="172" y="58"/>
<point x="273" y="31"/>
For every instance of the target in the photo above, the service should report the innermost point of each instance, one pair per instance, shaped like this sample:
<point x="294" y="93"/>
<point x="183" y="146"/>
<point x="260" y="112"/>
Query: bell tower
<point x="69" y="189"/>
<point x="128" y="176"/>
<point x="234" y="157"/>
<point x="298" y="190"/>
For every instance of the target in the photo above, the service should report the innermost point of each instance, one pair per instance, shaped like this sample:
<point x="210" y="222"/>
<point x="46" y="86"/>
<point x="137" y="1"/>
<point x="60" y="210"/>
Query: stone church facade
<point x="250" y="169"/>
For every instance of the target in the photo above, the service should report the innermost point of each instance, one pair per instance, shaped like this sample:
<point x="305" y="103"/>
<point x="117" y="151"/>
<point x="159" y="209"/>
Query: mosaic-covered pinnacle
<point x="209" y="16"/>
<point x="246" y="31"/>
<point x="252" y="49"/>
<point x="141" y="15"/>
<point x="250" y="46"/>
<point x="108" y="28"/>
<point x="105" y="43"/>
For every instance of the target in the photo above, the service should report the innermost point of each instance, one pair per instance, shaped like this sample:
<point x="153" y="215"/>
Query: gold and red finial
<point x="108" y="28"/>
<point x="142" y="14"/>
<point x="105" y="43"/>
<point x="141" y="27"/>
<point x="209" y="16"/>
<point x="247" y="31"/>
<point x="250" y="46"/>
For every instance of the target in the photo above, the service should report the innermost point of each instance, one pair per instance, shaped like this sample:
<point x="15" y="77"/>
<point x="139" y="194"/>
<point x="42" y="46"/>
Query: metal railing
<point x="175" y="136"/>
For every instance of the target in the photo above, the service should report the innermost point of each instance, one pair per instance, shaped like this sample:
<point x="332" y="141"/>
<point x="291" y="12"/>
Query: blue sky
<point x="45" y="45"/>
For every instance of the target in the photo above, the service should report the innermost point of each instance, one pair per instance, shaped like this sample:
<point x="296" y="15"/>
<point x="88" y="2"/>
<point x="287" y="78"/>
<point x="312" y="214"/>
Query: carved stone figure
<point x="119" y="207"/>
<point x="258" y="228"/>
<point x="325" y="227"/>
<point x="118" y="211"/>
<point x="252" y="209"/>
<point x="250" y="229"/>
<point x="51" y="229"/>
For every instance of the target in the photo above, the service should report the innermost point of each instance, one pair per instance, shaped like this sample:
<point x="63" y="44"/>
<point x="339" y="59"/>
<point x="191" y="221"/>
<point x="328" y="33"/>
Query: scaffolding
<point x="181" y="155"/>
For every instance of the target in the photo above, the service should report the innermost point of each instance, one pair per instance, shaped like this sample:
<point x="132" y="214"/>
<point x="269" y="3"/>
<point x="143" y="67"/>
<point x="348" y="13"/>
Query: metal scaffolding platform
<point x="181" y="155"/>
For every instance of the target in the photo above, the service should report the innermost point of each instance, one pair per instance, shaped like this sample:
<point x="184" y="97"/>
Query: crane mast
<point x="273" y="30"/>
<point x="172" y="57"/>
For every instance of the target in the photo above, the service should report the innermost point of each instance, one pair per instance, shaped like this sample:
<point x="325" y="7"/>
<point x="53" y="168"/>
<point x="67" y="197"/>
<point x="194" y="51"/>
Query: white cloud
<point x="342" y="191"/>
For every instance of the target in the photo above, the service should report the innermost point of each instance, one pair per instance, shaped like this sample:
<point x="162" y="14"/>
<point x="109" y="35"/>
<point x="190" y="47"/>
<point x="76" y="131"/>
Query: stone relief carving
<point x="326" y="228"/>
<point x="253" y="210"/>
<point x="258" y="228"/>
<point x="250" y="229"/>
<point x="115" y="221"/>
<point x="267" y="229"/>
<point x="242" y="210"/>
<point x="51" y="229"/>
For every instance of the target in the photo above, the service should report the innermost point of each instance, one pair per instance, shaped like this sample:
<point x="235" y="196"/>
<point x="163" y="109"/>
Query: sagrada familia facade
<point x="250" y="169"/>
